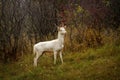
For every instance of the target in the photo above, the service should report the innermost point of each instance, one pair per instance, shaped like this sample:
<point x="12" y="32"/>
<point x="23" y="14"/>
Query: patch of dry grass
<point x="94" y="64"/>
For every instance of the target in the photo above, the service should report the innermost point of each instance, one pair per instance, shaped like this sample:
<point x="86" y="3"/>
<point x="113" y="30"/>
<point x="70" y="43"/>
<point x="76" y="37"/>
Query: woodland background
<point x="25" y="22"/>
<point x="93" y="28"/>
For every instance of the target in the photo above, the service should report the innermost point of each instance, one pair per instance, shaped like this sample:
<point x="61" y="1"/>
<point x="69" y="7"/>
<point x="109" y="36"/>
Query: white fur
<point x="53" y="45"/>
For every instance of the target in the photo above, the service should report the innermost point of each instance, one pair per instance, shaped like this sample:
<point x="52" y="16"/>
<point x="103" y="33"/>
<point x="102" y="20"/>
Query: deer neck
<point x="61" y="38"/>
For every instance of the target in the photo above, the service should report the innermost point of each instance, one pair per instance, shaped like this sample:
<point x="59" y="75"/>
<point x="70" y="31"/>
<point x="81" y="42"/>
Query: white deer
<point x="53" y="45"/>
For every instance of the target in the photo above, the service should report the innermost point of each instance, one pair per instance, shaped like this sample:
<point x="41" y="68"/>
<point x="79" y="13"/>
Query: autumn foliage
<point x="90" y="24"/>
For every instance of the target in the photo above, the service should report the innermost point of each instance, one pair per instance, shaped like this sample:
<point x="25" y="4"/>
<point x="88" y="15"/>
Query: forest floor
<point x="94" y="64"/>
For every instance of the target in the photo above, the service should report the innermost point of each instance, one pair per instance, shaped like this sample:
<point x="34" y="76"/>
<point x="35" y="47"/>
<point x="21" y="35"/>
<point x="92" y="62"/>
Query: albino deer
<point x="53" y="45"/>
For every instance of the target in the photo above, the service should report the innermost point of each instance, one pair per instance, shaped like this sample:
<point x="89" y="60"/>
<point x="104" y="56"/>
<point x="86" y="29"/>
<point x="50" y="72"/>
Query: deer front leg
<point x="61" y="56"/>
<point x="55" y="56"/>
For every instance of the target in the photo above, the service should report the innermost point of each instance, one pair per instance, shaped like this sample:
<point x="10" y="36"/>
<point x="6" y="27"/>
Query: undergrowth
<point x="94" y="64"/>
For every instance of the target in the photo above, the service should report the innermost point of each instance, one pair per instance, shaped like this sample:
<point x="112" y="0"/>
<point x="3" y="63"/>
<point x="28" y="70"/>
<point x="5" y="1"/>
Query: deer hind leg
<point x="61" y="56"/>
<point x="38" y="54"/>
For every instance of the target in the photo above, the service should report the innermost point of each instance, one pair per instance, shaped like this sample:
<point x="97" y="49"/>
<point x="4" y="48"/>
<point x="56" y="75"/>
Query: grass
<point x="94" y="64"/>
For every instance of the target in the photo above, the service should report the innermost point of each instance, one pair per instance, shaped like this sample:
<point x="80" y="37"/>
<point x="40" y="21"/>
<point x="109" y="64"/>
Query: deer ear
<point x="58" y="28"/>
<point x="65" y="26"/>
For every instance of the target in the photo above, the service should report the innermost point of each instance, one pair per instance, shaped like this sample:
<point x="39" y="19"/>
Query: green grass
<point x="94" y="64"/>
